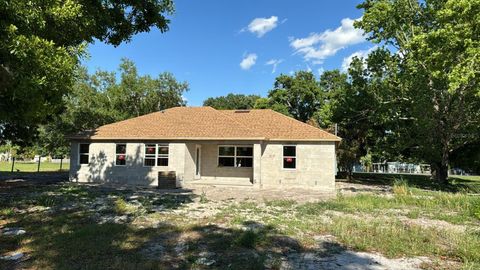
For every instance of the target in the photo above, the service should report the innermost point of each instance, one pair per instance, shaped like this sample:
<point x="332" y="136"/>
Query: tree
<point x="298" y="96"/>
<point x="438" y="48"/>
<point x="232" y="102"/>
<point x="467" y="158"/>
<point x="40" y="48"/>
<point x="332" y="84"/>
<point x="101" y="99"/>
<point x="352" y="104"/>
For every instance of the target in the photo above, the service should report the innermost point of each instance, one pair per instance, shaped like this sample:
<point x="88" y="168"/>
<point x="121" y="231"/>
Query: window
<point x="235" y="156"/>
<point x="83" y="150"/>
<point x="120" y="154"/>
<point x="149" y="155"/>
<point x="156" y="155"/>
<point x="162" y="156"/>
<point x="226" y="156"/>
<point x="289" y="157"/>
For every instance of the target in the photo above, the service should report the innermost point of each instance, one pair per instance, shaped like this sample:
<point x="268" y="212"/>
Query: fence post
<point x="61" y="162"/>
<point x="39" y="159"/>
<point x="13" y="163"/>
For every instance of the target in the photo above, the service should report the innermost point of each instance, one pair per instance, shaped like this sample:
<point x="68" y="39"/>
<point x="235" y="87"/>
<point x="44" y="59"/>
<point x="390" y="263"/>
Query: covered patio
<point x="231" y="163"/>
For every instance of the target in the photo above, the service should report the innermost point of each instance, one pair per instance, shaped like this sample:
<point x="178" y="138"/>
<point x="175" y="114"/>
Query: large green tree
<point x="438" y="44"/>
<point x="299" y="96"/>
<point x="232" y="102"/>
<point x="366" y="109"/>
<point x="40" y="46"/>
<point x="101" y="98"/>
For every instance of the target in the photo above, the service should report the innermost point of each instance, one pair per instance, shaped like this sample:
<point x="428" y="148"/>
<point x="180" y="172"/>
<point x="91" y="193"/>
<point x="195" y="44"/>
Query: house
<point x="202" y="145"/>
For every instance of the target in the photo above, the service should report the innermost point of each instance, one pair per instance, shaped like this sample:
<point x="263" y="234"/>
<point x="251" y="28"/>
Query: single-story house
<point x="202" y="145"/>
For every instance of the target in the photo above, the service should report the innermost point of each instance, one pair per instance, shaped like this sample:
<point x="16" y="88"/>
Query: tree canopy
<point x="298" y="96"/>
<point x="431" y="75"/>
<point x="40" y="48"/>
<point x="232" y="102"/>
<point x="101" y="98"/>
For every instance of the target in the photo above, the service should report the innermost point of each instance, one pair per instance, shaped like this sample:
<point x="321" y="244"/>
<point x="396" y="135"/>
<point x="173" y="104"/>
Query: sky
<point x="222" y="47"/>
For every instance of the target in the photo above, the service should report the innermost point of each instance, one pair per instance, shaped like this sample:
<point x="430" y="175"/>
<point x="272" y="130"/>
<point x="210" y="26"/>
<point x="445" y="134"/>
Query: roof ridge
<point x="238" y="122"/>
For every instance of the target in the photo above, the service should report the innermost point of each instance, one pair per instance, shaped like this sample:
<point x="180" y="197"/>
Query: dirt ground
<point x="300" y="195"/>
<point x="206" y="202"/>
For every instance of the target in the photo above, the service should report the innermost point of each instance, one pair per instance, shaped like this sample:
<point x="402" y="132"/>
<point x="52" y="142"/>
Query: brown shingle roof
<point x="206" y="123"/>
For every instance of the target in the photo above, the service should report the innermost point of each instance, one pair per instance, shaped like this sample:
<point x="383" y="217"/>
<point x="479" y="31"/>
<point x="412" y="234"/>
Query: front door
<point x="198" y="161"/>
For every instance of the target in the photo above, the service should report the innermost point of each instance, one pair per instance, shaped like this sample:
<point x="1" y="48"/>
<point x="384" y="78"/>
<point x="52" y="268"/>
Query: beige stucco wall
<point x="315" y="166"/>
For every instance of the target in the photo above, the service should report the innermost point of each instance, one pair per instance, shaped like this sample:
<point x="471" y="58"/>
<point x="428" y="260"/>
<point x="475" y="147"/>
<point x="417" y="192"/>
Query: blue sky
<point x="222" y="47"/>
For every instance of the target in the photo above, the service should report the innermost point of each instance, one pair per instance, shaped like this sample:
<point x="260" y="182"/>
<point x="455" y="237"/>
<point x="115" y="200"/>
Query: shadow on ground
<point x="63" y="232"/>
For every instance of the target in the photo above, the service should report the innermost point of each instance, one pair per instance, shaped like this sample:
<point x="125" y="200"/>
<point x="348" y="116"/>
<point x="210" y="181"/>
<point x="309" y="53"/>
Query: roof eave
<point x="306" y="140"/>
<point x="204" y="139"/>
<point x="170" y="138"/>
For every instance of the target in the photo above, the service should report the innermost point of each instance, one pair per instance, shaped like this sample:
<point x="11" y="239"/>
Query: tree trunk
<point x="349" y="176"/>
<point x="440" y="170"/>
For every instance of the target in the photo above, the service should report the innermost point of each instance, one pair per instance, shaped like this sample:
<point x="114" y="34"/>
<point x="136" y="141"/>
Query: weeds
<point x="394" y="238"/>
<point x="368" y="222"/>
<point x="122" y="207"/>
<point x="7" y="212"/>
<point x="281" y="203"/>
<point x="400" y="187"/>
<point x="203" y="197"/>
<point x="247" y="239"/>
<point x="46" y="200"/>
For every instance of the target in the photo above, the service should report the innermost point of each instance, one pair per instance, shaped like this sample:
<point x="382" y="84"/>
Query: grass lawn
<point x="83" y="227"/>
<point x="32" y="166"/>
<point x="457" y="183"/>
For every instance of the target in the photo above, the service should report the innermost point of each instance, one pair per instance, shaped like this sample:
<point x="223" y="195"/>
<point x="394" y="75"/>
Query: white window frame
<point x="234" y="156"/>
<point x="294" y="157"/>
<point x="117" y="154"/>
<point x="80" y="154"/>
<point x="156" y="155"/>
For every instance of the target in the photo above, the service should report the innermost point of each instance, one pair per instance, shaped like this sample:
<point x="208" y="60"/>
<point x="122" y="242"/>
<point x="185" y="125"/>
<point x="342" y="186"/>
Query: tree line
<point x="45" y="93"/>
<point x="102" y="98"/>
<point x="416" y="97"/>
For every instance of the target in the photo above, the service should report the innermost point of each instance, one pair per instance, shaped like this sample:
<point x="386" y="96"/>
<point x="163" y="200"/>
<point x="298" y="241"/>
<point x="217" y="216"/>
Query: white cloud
<point x="274" y="63"/>
<point x="261" y="26"/>
<point x="319" y="46"/>
<point x="360" y="54"/>
<point x="248" y="61"/>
